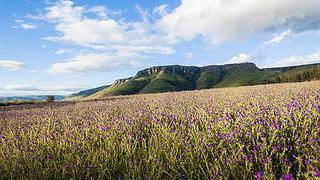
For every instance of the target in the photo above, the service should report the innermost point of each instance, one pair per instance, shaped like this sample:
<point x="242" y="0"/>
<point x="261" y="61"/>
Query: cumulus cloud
<point x="110" y="43"/>
<point x="76" y="25"/>
<point x="228" y="20"/>
<point x="94" y="62"/>
<point x="280" y="37"/>
<point x="298" y="60"/>
<point x="12" y="65"/>
<point x="89" y="31"/>
<point x="241" y="58"/>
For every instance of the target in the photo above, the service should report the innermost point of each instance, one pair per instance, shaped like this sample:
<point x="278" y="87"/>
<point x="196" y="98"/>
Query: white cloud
<point x="24" y="25"/>
<point x="279" y="38"/>
<point x="229" y="20"/>
<point x="90" y="31"/>
<point x="94" y="62"/>
<point x="241" y="58"/>
<point x="289" y="61"/>
<point x="101" y="11"/>
<point x="161" y="10"/>
<point x="76" y="27"/>
<point x="110" y="43"/>
<point x="146" y="49"/>
<point x="62" y="11"/>
<point x="42" y="88"/>
<point x="28" y="26"/>
<point x="19" y="87"/>
<point x="62" y="51"/>
<point x="12" y="65"/>
<point x="298" y="60"/>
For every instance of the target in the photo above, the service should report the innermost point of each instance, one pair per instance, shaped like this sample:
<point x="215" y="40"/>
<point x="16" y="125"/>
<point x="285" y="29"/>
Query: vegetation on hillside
<point x="299" y="74"/>
<point x="17" y="102"/>
<point x="29" y="98"/>
<point x="181" y="78"/>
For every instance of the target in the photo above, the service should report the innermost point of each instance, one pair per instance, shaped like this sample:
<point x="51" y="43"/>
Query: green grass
<point x="208" y="80"/>
<point x="159" y="85"/>
<point x="130" y="87"/>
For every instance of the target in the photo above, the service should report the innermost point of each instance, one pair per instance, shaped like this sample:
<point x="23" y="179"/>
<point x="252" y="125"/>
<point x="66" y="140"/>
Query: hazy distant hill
<point x="86" y="93"/>
<point x="179" y="78"/>
<point x="29" y="98"/>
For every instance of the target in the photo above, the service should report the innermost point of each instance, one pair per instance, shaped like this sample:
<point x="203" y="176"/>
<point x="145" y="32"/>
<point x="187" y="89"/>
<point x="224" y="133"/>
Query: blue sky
<point x="60" y="47"/>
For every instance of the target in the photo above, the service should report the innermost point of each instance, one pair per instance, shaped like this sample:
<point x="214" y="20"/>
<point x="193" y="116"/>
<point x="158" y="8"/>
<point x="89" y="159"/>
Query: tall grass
<point x="260" y="132"/>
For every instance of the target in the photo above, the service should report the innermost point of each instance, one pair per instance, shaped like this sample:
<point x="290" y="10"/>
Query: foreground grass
<point x="261" y="132"/>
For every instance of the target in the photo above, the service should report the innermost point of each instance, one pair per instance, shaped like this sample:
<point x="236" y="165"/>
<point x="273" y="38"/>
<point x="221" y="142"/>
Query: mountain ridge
<point x="172" y="78"/>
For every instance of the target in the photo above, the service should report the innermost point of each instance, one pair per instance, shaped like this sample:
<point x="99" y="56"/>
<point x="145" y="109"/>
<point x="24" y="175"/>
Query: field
<point x="258" y="132"/>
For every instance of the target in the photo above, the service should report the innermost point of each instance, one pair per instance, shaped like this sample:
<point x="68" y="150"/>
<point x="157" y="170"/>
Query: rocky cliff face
<point x="223" y="69"/>
<point x="192" y="70"/>
<point x="175" y="69"/>
<point x="240" y="66"/>
<point x="121" y="81"/>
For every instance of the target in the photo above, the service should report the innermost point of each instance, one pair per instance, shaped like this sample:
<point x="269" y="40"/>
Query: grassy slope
<point x="242" y="77"/>
<point x="83" y="94"/>
<point x="167" y="83"/>
<point x="207" y="79"/>
<point x="130" y="87"/>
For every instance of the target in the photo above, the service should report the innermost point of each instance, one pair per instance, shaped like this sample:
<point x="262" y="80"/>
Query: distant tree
<point x="278" y="79"/>
<point x="50" y="99"/>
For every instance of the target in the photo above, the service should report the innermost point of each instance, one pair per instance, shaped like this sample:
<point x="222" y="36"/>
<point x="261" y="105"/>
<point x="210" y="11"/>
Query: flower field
<point x="258" y="132"/>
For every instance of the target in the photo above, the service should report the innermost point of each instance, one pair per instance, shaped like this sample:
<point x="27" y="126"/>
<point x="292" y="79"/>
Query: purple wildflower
<point x="105" y="128"/>
<point x="307" y="162"/>
<point x="50" y="157"/>
<point x="287" y="177"/>
<point x="258" y="175"/>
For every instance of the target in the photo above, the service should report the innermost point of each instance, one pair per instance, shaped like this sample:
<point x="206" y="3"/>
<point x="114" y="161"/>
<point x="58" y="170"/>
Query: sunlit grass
<point x="270" y="132"/>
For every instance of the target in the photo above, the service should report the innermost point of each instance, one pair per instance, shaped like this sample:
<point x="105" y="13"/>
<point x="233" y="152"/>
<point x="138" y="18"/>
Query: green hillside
<point x="85" y="93"/>
<point x="180" y="78"/>
<point x="129" y="87"/>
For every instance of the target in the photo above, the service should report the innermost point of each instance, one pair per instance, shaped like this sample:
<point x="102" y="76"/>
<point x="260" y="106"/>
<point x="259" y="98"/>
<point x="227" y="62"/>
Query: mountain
<point x="86" y="93"/>
<point x="30" y="98"/>
<point x="180" y="78"/>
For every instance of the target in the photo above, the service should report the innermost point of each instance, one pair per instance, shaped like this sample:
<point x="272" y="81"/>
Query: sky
<point x="63" y="46"/>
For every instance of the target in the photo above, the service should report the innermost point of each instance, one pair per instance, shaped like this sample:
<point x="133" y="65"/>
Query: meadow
<point x="257" y="132"/>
